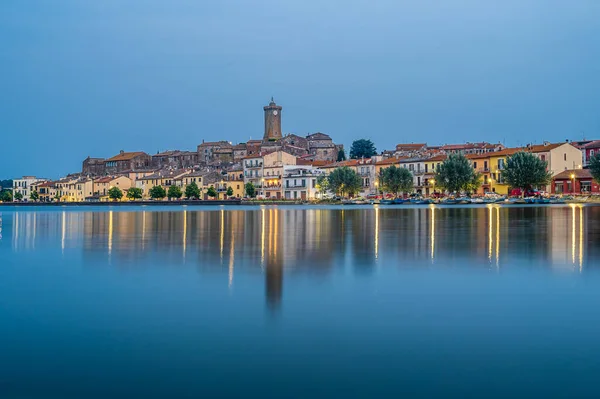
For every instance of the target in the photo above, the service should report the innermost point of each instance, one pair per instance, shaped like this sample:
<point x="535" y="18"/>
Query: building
<point x="471" y="148"/>
<point x="366" y="170"/>
<point x="575" y="181"/>
<point x="165" y="178"/>
<point x="175" y="159"/>
<point x="265" y="172"/>
<point x="410" y="150"/>
<point x="23" y="187"/>
<point x="300" y="182"/>
<point x="207" y="150"/>
<point x="93" y="167"/>
<point x="46" y="191"/>
<point x="272" y="122"/>
<point x="127" y="161"/>
<point x="102" y="185"/>
<point x="589" y="149"/>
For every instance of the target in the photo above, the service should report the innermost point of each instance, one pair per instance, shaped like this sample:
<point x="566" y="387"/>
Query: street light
<point x="573" y="183"/>
<point x="432" y="182"/>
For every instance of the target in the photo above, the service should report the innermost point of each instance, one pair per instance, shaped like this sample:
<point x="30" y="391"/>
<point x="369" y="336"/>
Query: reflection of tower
<point x="273" y="258"/>
<point x="272" y="121"/>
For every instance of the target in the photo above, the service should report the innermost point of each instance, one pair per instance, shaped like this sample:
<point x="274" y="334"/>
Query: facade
<point x="300" y="182"/>
<point x="272" y="122"/>
<point x="175" y="159"/>
<point x="24" y="186"/>
<point x="46" y="191"/>
<point x="589" y="149"/>
<point x="410" y="150"/>
<point x="206" y="150"/>
<point x="575" y="181"/>
<point x="127" y="161"/>
<point x="265" y="172"/>
<point x="93" y="167"/>
<point x="471" y="148"/>
<point x="164" y="178"/>
<point x="102" y="185"/>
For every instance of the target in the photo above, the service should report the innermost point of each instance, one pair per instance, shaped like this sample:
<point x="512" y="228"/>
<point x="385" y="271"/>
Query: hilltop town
<point x="287" y="166"/>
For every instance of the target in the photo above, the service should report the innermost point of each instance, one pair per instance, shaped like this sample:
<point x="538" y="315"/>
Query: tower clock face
<point x="274" y="112"/>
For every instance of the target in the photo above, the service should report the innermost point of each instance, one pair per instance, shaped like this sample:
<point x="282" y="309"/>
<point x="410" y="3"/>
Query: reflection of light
<point x="497" y="235"/>
<point x="34" y="228"/>
<point x="16" y="233"/>
<point x="270" y="230"/>
<point x="376" y="232"/>
<point x="231" y="258"/>
<point x="573" y="234"/>
<point x="580" y="239"/>
<point x="222" y="232"/>
<point x="432" y="231"/>
<point x="490" y="222"/>
<point x="64" y="230"/>
<point x="184" y="232"/>
<point x="110" y="231"/>
<point x="262" y="237"/>
<point x="275" y="232"/>
<point x="143" y="228"/>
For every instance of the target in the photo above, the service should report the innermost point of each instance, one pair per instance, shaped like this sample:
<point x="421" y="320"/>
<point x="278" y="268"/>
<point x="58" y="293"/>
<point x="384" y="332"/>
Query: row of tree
<point x="192" y="191"/>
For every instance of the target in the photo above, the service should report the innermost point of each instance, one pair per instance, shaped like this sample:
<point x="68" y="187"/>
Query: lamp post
<point x="376" y="187"/>
<point x="572" y="183"/>
<point x="432" y="182"/>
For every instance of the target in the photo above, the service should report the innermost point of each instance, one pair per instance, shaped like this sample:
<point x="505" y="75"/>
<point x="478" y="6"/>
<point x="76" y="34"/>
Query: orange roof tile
<point x="126" y="156"/>
<point x="579" y="174"/>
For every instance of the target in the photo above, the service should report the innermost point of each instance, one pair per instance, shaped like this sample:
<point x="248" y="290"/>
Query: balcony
<point x="253" y="166"/>
<point x="295" y="186"/>
<point x="272" y="187"/>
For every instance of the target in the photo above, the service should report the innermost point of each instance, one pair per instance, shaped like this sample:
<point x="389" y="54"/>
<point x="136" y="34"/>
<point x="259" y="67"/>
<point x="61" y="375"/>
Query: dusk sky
<point x="93" y="77"/>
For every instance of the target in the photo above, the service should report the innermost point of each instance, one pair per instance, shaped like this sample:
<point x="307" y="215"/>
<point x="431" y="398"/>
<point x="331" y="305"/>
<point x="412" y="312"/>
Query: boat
<point x="556" y="200"/>
<point x="542" y="200"/>
<point x="346" y="201"/>
<point x="360" y="201"/>
<point x="423" y="201"/>
<point x="386" y="202"/>
<point x="463" y="200"/>
<point x="399" y="201"/>
<point x="477" y="200"/>
<point x="449" y="201"/>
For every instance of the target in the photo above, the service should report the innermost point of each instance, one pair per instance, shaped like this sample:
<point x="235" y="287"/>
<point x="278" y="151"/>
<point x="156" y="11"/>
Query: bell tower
<point x="272" y="121"/>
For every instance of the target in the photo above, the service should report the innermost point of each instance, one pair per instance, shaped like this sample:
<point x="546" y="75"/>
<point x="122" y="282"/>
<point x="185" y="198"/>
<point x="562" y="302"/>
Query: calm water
<point x="300" y="302"/>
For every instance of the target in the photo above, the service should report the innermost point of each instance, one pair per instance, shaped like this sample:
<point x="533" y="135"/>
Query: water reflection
<point x="278" y="241"/>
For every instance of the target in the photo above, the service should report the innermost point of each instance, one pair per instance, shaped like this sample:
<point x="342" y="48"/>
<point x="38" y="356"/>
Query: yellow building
<point x="165" y="179"/>
<point x="103" y="184"/>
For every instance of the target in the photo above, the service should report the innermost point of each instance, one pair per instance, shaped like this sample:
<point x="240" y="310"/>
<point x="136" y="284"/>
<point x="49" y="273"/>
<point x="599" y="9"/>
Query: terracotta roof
<point x="216" y="143"/>
<point x="318" y="136"/>
<point x="106" y="179"/>
<point x="45" y="184"/>
<point x="440" y="157"/>
<point x="592" y="144"/>
<point x="532" y="148"/>
<point x="410" y="147"/>
<point x="391" y="161"/>
<point x="579" y="174"/>
<point x="126" y="156"/>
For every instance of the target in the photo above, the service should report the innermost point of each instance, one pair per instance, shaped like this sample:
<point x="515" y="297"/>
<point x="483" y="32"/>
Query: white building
<point x="23" y="186"/>
<point x="300" y="182"/>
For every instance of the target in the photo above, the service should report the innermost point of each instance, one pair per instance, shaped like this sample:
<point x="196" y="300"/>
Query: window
<point x="303" y="182"/>
<point x="314" y="183"/>
<point x="543" y="157"/>
<point x="485" y="165"/>
<point x="569" y="187"/>
<point x="559" y="188"/>
<point x="591" y="153"/>
<point x="501" y="164"/>
<point x="565" y="156"/>
<point x="474" y="165"/>
<point x="586" y="186"/>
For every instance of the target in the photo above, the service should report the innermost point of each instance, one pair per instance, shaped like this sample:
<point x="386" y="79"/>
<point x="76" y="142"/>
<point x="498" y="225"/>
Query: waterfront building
<point x="175" y="159"/>
<point x="164" y="178"/>
<point x="102" y="185"/>
<point x="589" y="149"/>
<point x="300" y="182"/>
<point x="575" y="181"/>
<point x="46" y="190"/>
<point x="366" y="170"/>
<point x="24" y="185"/>
<point x="265" y="172"/>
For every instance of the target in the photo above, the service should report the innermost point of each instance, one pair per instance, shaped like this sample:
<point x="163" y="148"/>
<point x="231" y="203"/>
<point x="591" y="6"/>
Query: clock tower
<point x="272" y="121"/>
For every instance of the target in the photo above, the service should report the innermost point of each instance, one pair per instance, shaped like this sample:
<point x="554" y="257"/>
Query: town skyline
<point x="83" y="79"/>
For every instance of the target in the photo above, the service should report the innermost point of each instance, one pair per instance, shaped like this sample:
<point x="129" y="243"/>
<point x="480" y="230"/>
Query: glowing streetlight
<point x="573" y="183"/>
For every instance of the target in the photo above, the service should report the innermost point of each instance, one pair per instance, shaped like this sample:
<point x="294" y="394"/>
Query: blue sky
<point x="83" y="77"/>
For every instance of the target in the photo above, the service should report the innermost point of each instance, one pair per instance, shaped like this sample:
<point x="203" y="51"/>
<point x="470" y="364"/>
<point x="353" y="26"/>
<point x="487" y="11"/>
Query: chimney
<point x="121" y="152"/>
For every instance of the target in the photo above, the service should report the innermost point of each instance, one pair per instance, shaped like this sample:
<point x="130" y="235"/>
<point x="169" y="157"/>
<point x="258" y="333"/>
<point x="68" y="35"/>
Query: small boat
<point x="542" y="200"/>
<point x="423" y="201"/>
<point x="399" y="201"/>
<point x="360" y="201"/>
<point x="449" y="201"/>
<point x="556" y="200"/>
<point x="463" y="200"/>
<point x="386" y="202"/>
<point x="477" y="200"/>
<point x="530" y="200"/>
<point x="347" y="202"/>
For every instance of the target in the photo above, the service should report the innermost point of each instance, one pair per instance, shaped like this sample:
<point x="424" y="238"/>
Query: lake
<point x="298" y="302"/>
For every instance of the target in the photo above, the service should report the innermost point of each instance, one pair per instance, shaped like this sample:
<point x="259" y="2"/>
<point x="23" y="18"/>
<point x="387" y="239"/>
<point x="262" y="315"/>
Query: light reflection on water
<point x="415" y="279"/>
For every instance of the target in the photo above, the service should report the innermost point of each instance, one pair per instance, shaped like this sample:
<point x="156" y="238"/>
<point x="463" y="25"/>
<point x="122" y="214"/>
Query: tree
<point x="192" y="191"/>
<point x="6" y="196"/>
<point x="524" y="170"/>
<point x="322" y="184"/>
<point x="454" y="174"/>
<point x="211" y="192"/>
<point x="595" y="167"/>
<point x="34" y="196"/>
<point x="18" y="196"/>
<point x="57" y="197"/>
<point x="341" y="156"/>
<point x="344" y="181"/>
<point x="474" y="184"/>
<point x="115" y="193"/>
<point x="134" y="193"/>
<point x="362" y="148"/>
<point x="250" y="190"/>
<point x="174" y="192"/>
<point x="396" y="180"/>
<point x="157" y="192"/>
<point x="229" y="191"/>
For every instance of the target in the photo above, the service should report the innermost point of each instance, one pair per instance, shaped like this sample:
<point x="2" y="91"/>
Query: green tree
<point x="524" y="170"/>
<point x="192" y="191"/>
<point x="323" y="184"/>
<point x="115" y="193"/>
<point x="454" y="174"/>
<point x="595" y="167"/>
<point x="6" y="196"/>
<point x="341" y="156"/>
<point x="396" y="180"/>
<point x="18" y="196"/>
<point x="174" y="192"/>
<point x="34" y="196"/>
<point x="157" y="192"/>
<point x="134" y="193"/>
<point x="344" y="181"/>
<point x="474" y="184"/>
<point x="362" y="148"/>
<point x="57" y="197"/>
<point x="229" y="191"/>
<point x="211" y="192"/>
<point x="250" y="190"/>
